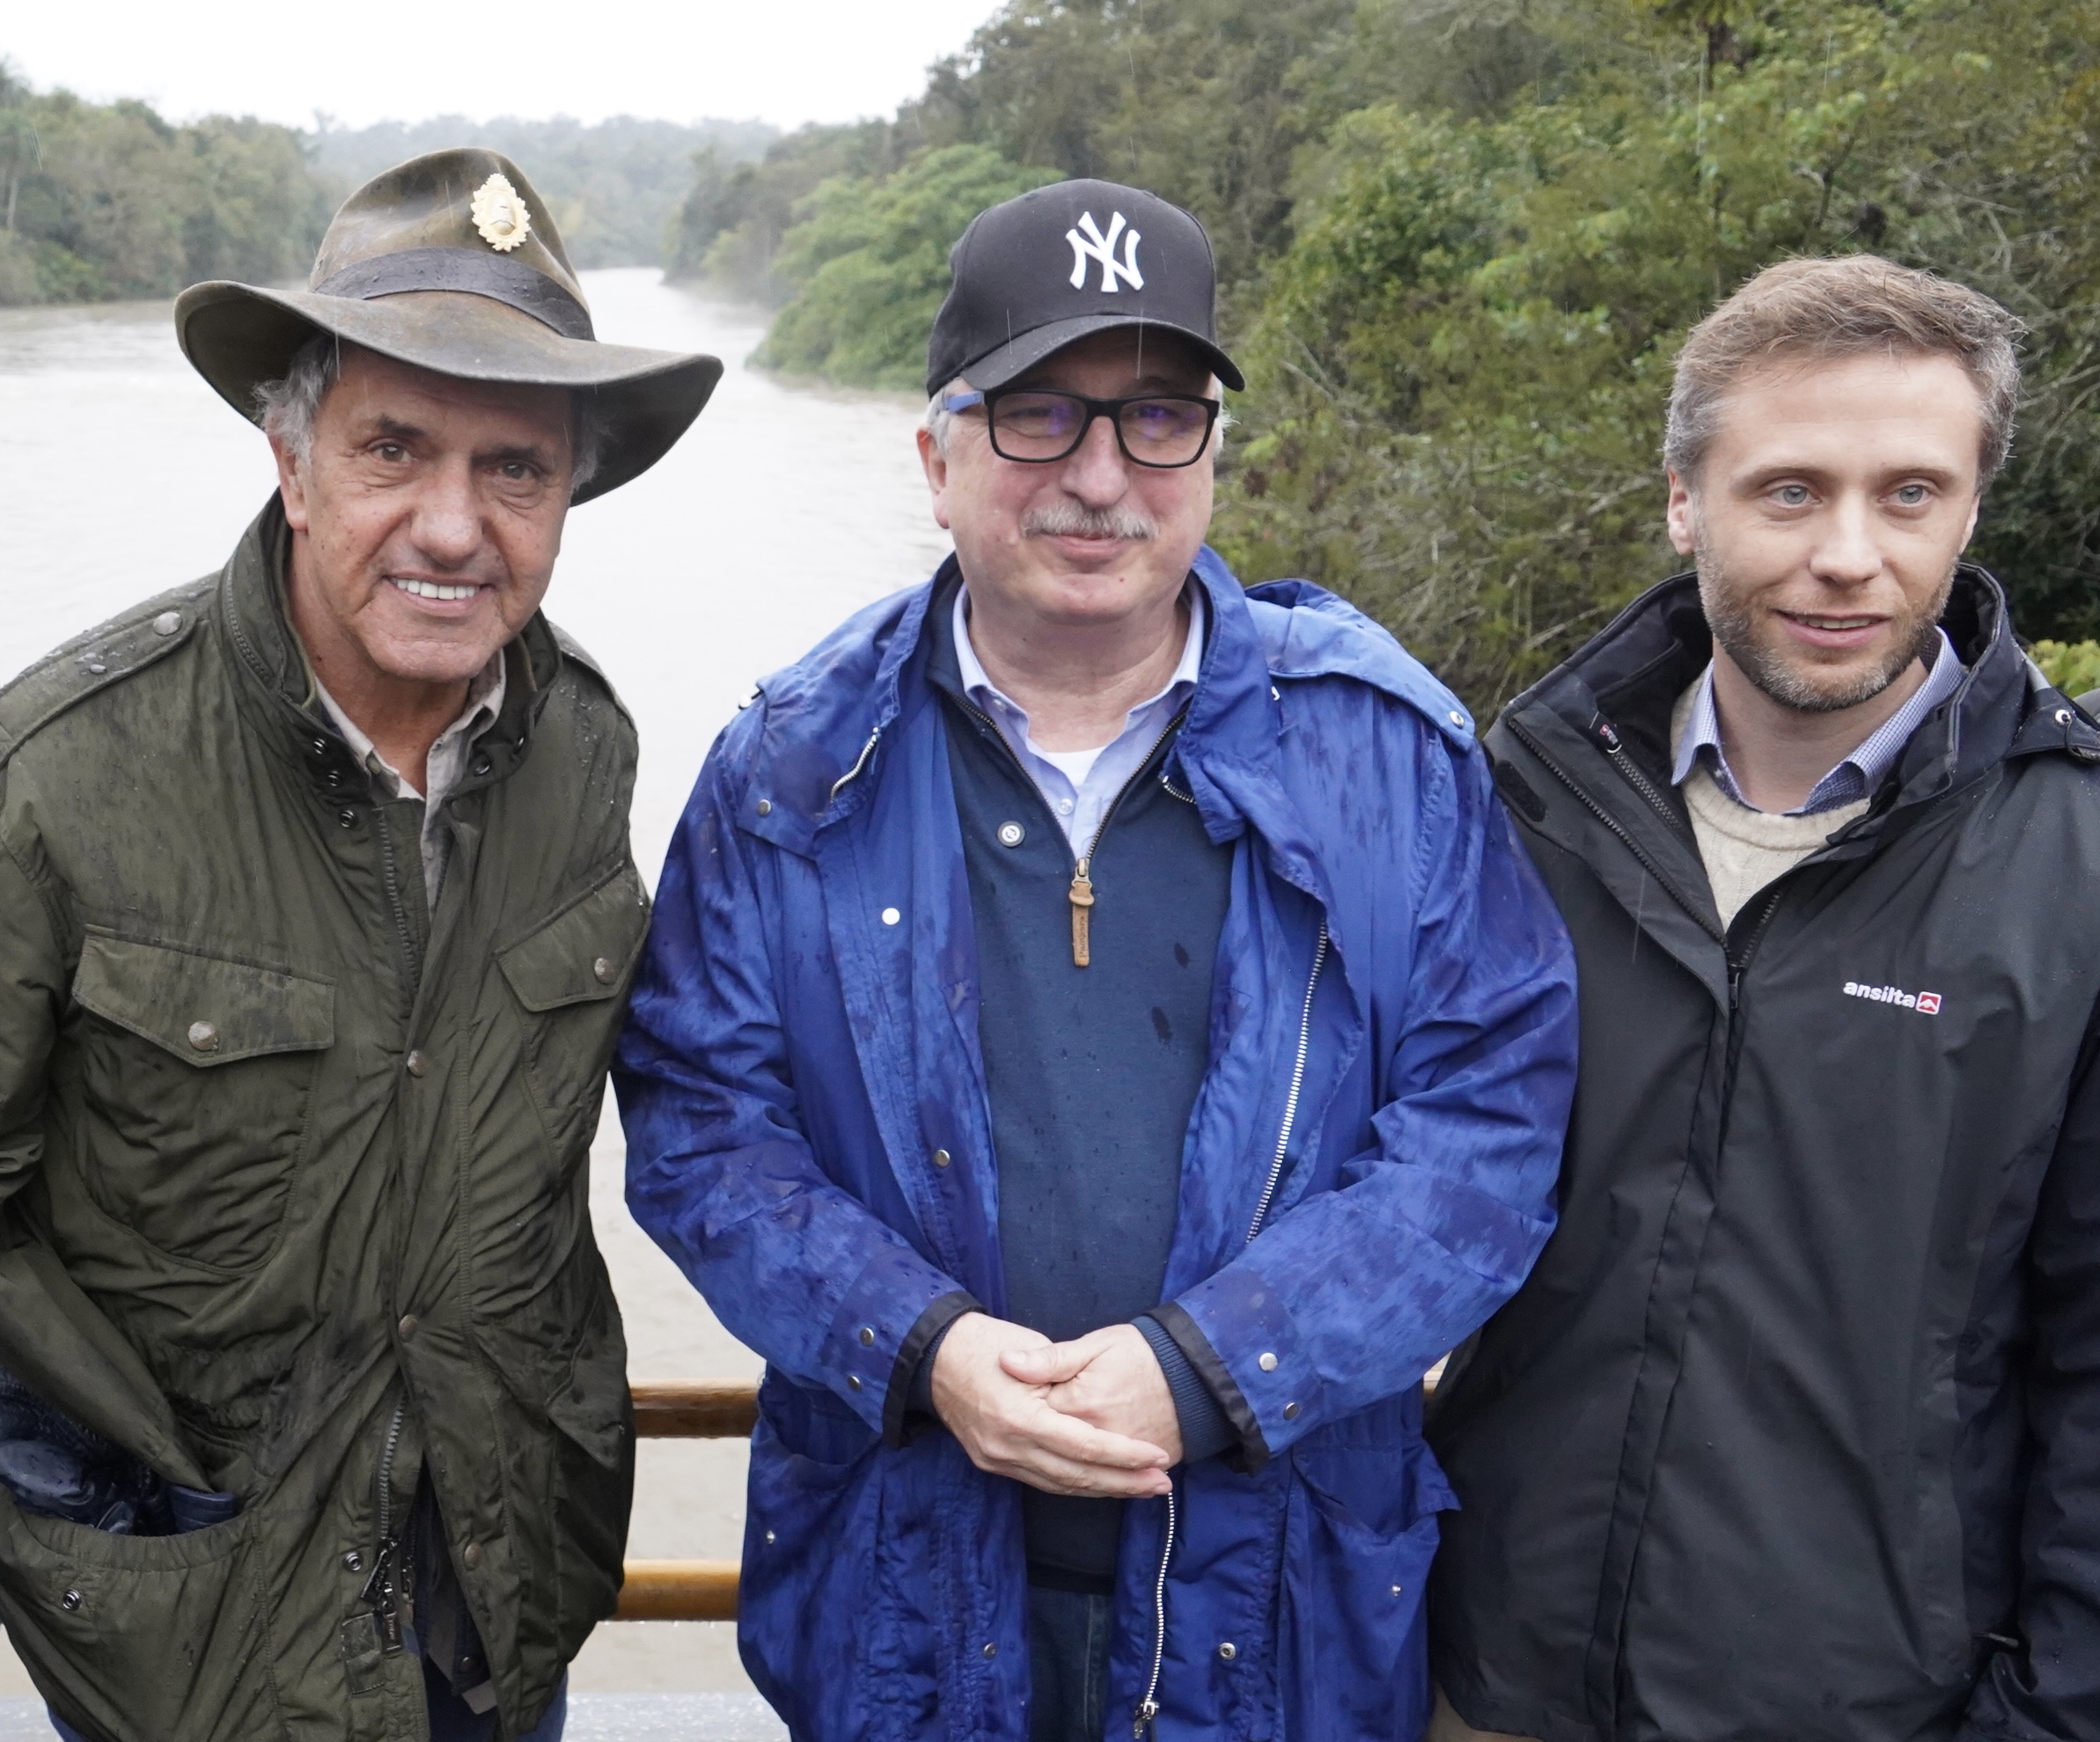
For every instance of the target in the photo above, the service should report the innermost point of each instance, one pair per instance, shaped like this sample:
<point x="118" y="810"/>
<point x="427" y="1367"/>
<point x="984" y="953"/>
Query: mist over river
<point x="122" y="474"/>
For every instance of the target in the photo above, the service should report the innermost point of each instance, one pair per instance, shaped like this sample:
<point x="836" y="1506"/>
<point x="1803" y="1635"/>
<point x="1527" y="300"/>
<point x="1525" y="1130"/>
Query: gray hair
<point x="289" y="404"/>
<point x="1855" y="306"/>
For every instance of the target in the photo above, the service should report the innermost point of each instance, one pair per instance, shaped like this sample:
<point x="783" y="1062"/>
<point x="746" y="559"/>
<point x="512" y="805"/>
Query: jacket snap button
<point x="472" y="1558"/>
<point x="407" y="1330"/>
<point x="1458" y="719"/>
<point x="890" y="917"/>
<point x="353" y="1562"/>
<point x="321" y="746"/>
<point x="941" y="1158"/>
<point x="96" y="667"/>
<point x="1011" y="835"/>
<point x="1268" y="1363"/>
<point x="70" y="1601"/>
<point x="867" y="1336"/>
<point x="481" y="765"/>
<point x="167" y="622"/>
<point x="770" y="1537"/>
<point x="1290" y="1412"/>
<point x="204" y="1037"/>
<point x="1396" y="1591"/>
<point x="347" y="819"/>
<point x="854" y="1380"/>
<point x="1228" y="1650"/>
<point x="416" y="1062"/>
<point x="765" y="807"/>
<point x="991" y="1650"/>
<point x="603" y="971"/>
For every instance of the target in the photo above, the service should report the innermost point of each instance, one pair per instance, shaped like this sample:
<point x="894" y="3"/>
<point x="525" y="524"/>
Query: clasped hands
<point x="1092" y="1416"/>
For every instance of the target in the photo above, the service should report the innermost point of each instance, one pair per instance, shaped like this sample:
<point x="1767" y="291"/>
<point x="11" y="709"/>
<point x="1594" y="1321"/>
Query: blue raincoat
<point x="1369" y="1172"/>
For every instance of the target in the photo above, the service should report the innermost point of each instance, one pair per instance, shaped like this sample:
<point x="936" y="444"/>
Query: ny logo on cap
<point x="1094" y="245"/>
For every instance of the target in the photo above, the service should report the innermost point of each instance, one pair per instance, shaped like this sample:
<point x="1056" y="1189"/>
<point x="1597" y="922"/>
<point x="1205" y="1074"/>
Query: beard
<point x="1070" y="520"/>
<point x="1796" y="683"/>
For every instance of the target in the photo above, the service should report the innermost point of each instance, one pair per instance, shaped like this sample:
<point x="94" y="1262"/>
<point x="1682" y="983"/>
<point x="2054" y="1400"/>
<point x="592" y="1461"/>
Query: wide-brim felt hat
<point x="452" y="262"/>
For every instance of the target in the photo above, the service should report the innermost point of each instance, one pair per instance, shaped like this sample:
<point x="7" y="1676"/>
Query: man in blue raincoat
<point x="1100" y="1043"/>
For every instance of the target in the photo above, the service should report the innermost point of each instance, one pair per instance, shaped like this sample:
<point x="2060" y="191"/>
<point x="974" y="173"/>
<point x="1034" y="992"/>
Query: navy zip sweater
<point x="1092" y="1072"/>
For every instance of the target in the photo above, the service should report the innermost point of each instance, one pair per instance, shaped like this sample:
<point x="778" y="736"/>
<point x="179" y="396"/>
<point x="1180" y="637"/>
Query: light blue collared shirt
<point x="1853" y="780"/>
<point x="1080" y="785"/>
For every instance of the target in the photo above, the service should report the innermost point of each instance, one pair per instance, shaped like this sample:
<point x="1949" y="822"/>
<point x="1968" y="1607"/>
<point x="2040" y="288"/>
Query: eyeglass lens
<point x="1164" y="431"/>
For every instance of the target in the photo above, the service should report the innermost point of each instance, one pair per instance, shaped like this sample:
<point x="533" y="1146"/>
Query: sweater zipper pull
<point x="1082" y="898"/>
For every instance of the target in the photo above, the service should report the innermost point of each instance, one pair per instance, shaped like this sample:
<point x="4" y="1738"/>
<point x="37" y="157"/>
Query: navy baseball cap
<point x="1056" y="264"/>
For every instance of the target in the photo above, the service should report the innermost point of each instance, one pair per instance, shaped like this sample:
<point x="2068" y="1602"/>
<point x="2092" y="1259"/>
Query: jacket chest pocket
<point x="194" y="1078"/>
<point x="571" y="975"/>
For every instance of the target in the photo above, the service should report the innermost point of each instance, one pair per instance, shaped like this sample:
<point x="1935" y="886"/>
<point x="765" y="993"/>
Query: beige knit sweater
<point x="1744" y="850"/>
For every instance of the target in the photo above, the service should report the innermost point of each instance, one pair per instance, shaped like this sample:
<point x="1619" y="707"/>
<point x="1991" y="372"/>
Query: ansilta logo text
<point x="1925" y="1003"/>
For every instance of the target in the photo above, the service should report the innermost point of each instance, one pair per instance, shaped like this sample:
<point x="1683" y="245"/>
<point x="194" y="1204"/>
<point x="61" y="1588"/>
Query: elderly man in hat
<point x="317" y="924"/>
<point x="1101" y="1042"/>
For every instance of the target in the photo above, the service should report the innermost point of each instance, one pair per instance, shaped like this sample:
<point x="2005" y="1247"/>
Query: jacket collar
<point x="828" y="716"/>
<point x="1626" y="680"/>
<point x="280" y="693"/>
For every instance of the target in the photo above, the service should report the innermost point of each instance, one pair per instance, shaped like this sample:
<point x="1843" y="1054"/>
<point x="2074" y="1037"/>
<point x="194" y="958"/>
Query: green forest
<point x="1461" y="241"/>
<point x="105" y="201"/>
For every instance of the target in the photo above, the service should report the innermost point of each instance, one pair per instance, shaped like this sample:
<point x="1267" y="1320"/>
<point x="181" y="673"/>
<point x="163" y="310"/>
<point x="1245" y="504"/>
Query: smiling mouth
<point x="436" y="590"/>
<point x="1809" y="619"/>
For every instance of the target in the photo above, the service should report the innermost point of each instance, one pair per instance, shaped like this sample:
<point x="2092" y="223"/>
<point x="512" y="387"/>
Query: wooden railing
<point x="705" y="1590"/>
<point x="688" y="1590"/>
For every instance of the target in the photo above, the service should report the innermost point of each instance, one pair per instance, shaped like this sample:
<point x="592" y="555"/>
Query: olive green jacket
<point x="281" y="1147"/>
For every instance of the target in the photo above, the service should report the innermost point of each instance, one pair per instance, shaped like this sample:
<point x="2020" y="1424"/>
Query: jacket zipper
<point x="383" y="1590"/>
<point x="1625" y="835"/>
<point x="1634" y="776"/>
<point x="1082" y="893"/>
<point x="859" y="763"/>
<point x="1297" y="1084"/>
<point x="1147" y="1708"/>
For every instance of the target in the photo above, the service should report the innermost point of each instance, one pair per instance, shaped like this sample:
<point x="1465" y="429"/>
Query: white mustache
<point x="1075" y="520"/>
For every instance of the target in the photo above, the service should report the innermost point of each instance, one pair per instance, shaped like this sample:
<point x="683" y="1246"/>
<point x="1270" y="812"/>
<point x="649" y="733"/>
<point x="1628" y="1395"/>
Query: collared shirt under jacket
<point x="1368" y="1172"/>
<point x="283" y="1150"/>
<point x="1795" y="1431"/>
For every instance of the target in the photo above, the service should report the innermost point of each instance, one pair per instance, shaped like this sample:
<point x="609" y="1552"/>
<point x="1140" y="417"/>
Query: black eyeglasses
<point x="1036" y="425"/>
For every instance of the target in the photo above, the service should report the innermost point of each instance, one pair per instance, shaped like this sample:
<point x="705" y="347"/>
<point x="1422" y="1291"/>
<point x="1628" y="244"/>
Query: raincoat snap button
<point x="416" y="1062"/>
<point x="70" y="1601"/>
<point x="991" y="1650"/>
<point x="1290" y="1412"/>
<point x="771" y="1538"/>
<point x="765" y="807"/>
<point x="167" y="622"/>
<point x="1268" y="1363"/>
<point x="353" y="1562"/>
<point x="96" y="667"/>
<point x="483" y="765"/>
<point x="347" y="819"/>
<point x="890" y="917"/>
<point x="407" y="1330"/>
<point x="1011" y="835"/>
<point x="1396" y="1591"/>
<point x="1458" y="719"/>
<point x="603" y="971"/>
<point x="321" y="746"/>
<point x="867" y="1336"/>
<point x="204" y="1036"/>
<point x="472" y="1558"/>
<point x="1228" y="1650"/>
<point x="941" y="1158"/>
<point x="854" y="1380"/>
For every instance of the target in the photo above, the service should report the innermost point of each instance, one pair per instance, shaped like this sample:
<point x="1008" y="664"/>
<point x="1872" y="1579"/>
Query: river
<point x="121" y="473"/>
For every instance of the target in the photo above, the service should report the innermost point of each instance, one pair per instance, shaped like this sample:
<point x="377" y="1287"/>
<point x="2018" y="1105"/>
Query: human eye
<point x="1911" y="496"/>
<point x="1792" y="496"/>
<point x="389" y="452"/>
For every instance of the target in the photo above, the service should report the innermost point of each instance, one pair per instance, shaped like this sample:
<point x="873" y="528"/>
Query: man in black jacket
<point x="1794" y="1433"/>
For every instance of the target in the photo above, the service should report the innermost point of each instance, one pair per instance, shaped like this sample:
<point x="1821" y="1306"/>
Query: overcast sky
<point x="782" y="60"/>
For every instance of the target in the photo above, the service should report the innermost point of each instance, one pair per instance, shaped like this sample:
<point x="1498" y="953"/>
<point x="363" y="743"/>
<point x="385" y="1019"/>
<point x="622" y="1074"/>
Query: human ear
<point x="291" y="485"/>
<point x="1682" y="517"/>
<point x="935" y="464"/>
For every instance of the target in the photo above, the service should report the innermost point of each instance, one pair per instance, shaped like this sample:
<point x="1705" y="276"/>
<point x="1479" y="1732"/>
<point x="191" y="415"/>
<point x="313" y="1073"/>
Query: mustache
<point x="1076" y="520"/>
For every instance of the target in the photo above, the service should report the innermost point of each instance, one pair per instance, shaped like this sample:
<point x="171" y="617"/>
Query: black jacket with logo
<point x="1794" y="1433"/>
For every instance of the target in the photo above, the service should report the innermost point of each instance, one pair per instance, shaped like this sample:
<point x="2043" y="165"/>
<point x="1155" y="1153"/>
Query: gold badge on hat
<point x="500" y="215"/>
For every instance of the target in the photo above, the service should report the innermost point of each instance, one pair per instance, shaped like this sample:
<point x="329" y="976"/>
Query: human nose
<point x="1095" y="471"/>
<point x="1849" y="554"/>
<point x="448" y="519"/>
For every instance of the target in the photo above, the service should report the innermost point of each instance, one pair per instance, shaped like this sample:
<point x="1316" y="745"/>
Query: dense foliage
<point x="1462" y="240"/>
<point x="613" y="187"/>
<point x="111" y="200"/>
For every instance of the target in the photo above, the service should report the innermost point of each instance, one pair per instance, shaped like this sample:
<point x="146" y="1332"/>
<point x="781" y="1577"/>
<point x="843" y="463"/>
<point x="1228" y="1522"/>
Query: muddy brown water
<point x="783" y="509"/>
